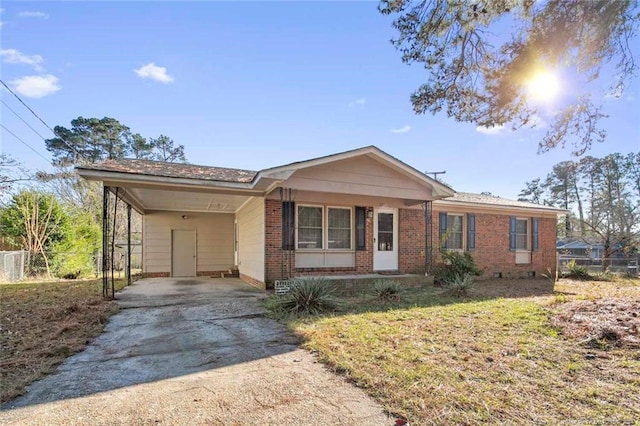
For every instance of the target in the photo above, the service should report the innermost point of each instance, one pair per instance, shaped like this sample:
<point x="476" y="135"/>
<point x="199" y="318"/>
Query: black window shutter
<point x="443" y="230"/>
<point x="512" y="233"/>
<point x="361" y="228"/>
<point x="534" y="234"/>
<point x="471" y="232"/>
<point x="288" y="225"/>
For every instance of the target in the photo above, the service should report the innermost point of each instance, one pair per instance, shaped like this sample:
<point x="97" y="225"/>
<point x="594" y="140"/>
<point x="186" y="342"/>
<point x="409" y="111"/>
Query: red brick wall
<point x="492" y="246"/>
<point x="364" y="258"/>
<point x="411" y="241"/>
<point x="492" y="252"/>
<point x="275" y="258"/>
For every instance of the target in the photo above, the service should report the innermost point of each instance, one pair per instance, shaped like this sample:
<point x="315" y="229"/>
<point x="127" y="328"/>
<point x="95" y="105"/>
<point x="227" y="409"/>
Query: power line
<point x="22" y="119"/>
<point x="24" y="143"/>
<point x="41" y="120"/>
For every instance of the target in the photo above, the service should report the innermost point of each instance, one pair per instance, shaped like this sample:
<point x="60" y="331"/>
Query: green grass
<point x="480" y="360"/>
<point x="43" y="323"/>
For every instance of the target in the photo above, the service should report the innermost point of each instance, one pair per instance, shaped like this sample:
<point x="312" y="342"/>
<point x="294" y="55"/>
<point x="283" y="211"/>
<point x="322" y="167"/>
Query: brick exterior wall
<point x="411" y="241"/>
<point x="492" y="248"/>
<point x="276" y="259"/>
<point x="492" y="252"/>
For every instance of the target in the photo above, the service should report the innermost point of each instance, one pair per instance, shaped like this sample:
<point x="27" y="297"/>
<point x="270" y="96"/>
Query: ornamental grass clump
<point x="459" y="285"/>
<point x="387" y="290"/>
<point x="309" y="296"/>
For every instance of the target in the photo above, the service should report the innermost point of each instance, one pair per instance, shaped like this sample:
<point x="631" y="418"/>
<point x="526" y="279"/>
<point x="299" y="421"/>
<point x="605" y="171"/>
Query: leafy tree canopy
<point x="480" y="56"/>
<point x="91" y="140"/>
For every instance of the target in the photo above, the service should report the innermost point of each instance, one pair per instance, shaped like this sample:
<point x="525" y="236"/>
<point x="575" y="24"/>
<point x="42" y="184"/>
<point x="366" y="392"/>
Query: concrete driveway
<point x="193" y="351"/>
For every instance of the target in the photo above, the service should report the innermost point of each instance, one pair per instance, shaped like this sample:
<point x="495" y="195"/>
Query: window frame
<point x="325" y="227"/>
<point x="463" y="239"/>
<point x="351" y="226"/>
<point x="322" y="226"/>
<point x="527" y="235"/>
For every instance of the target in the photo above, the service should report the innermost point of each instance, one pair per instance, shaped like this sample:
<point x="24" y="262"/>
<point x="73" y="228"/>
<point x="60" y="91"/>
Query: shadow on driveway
<point x="167" y="328"/>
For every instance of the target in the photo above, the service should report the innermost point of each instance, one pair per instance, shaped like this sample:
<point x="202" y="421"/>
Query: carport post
<point x="428" y="237"/>
<point x="128" y="244"/>
<point x="105" y="240"/>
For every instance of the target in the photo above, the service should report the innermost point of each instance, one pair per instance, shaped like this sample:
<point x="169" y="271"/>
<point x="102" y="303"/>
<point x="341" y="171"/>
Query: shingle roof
<point x="175" y="170"/>
<point x="469" y="197"/>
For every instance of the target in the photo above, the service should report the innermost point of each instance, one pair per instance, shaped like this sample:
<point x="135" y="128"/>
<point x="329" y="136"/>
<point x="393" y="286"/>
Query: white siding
<point x="214" y="236"/>
<point x="251" y="239"/>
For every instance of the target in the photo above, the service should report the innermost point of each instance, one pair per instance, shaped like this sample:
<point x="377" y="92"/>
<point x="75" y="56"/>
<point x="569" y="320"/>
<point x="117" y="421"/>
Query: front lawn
<point x="43" y="323"/>
<point x="512" y="352"/>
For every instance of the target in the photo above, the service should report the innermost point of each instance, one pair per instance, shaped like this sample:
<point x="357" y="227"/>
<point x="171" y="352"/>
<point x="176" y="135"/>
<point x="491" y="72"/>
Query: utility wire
<point x="41" y="120"/>
<point x="24" y="143"/>
<point x="22" y="119"/>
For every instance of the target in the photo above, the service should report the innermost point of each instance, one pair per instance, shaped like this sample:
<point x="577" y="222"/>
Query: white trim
<point x="322" y="226"/>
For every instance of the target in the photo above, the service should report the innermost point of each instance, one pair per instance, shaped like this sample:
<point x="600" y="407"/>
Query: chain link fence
<point x="620" y="265"/>
<point x="16" y="266"/>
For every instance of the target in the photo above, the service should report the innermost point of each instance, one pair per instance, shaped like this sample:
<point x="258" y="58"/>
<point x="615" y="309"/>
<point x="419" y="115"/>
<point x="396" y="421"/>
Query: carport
<point x="188" y="215"/>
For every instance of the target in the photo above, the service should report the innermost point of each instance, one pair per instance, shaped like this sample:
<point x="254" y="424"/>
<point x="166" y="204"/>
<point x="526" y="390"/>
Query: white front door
<point x="385" y="239"/>
<point x="183" y="253"/>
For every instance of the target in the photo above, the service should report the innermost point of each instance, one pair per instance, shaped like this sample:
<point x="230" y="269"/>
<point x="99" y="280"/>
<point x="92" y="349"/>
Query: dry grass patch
<point x="485" y="359"/>
<point x="43" y="323"/>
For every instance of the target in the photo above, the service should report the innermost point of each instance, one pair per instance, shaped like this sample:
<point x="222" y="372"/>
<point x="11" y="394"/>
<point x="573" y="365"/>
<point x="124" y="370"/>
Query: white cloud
<point x="154" y="72"/>
<point x="360" y="101"/>
<point x="494" y="130"/>
<point x="13" y="56"/>
<point x="33" y="14"/>
<point x="36" y="86"/>
<point x="403" y="129"/>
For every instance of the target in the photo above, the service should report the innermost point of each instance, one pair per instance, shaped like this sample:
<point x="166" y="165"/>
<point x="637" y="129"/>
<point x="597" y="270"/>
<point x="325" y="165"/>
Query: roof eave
<point x="489" y="206"/>
<point x="133" y="178"/>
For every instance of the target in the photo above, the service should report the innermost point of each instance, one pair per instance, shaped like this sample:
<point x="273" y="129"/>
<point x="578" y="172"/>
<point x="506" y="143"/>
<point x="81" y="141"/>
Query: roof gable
<point x="439" y="190"/>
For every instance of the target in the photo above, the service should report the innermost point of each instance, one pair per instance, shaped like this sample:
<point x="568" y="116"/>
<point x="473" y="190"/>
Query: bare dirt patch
<point x="43" y="323"/>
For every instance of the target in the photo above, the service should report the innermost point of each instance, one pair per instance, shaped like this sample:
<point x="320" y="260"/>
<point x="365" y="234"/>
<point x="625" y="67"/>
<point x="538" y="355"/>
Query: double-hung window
<point x="338" y="228"/>
<point x="324" y="228"/>
<point x="310" y="235"/>
<point x="522" y="236"/>
<point x="452" y="231"/>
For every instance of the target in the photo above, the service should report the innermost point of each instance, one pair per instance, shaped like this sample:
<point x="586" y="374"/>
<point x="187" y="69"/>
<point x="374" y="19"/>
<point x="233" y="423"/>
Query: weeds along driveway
<point x="192" y="351"/>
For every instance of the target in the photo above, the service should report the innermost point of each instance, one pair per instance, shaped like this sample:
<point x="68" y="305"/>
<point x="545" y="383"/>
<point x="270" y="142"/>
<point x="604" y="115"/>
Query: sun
<point x="544" y="86"/>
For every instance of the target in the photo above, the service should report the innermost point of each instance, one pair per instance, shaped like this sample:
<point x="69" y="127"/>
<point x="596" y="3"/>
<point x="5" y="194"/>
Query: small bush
<point x="308" y="296"/>
<point x="387" y="290"/>
<point x="576" y="271"/>
<point x="460" y="285"/>
<point x="455" y="265"/>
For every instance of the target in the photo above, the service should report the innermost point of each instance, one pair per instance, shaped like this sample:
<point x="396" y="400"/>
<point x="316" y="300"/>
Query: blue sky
<point x="256" y="85"/>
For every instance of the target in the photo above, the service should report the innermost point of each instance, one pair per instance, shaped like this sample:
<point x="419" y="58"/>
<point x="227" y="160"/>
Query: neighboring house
<point x="356" y="212"/>
<point x="581" y="248"/>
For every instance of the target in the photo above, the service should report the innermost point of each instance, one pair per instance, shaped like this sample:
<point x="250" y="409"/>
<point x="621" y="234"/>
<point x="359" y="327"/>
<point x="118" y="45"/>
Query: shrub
<point x="455" y="265"/>
<point x="387" y="290"/>
<point x="308" y="296"/>
<point x="576" y="271"/>
<point x="460" y="285"/>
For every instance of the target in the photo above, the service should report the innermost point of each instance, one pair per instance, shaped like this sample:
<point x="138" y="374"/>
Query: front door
<point x="183" y="253"/>
<point x="385" y="239"/>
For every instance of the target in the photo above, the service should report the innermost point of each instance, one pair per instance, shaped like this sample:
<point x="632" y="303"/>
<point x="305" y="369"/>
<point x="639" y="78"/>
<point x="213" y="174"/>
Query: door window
<point x="385" y="231"/>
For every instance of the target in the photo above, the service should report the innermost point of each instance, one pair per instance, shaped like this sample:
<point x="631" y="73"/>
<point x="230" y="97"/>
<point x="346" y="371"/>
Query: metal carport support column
<point x="108" y="249"/>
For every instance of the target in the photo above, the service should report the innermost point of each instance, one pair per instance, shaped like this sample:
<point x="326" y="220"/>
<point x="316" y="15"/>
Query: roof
<point x="175" y="170"/>
<point x="492" y="200"/>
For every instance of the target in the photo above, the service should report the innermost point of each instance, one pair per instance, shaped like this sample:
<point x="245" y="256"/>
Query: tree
<point x="605" y="193"/>
<point x="10" y="173"/>
<point x="140" y="147"/>
<point x="89" y="140"/>
<point x="163" y="149"/>
<point x="36" y="221"/>
<point x="480" y="77"/>
<point x="533" y="192"/>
